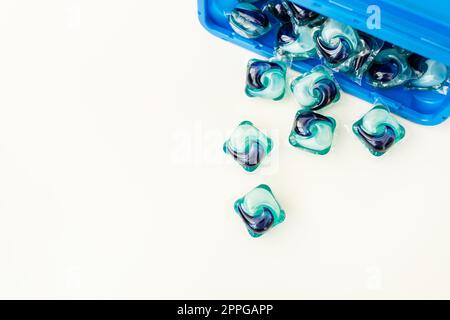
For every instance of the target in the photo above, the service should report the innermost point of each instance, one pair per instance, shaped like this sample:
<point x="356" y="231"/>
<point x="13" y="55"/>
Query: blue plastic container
<point x="421" y="26"/>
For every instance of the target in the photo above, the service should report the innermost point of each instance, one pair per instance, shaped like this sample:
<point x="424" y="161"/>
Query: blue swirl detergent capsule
<point x="278" y="10"/>
<point x="248" y="146"/>
<point x="430" y="74"/>
<point x="266" y="79"/>
<point x="389" y="69"/>
<point x="302" y="16"/>
<point x="378" y="130"/>
<point x="316" y="89"/>
<point x="259" y="210"/>
<point x="249" y="21"/>
<point x="312" y="132"/>
<point x="296" y="42"/>
<point x="288" y="11"/>
<point x="337" y="43"/>
<point x="358" y="65"/>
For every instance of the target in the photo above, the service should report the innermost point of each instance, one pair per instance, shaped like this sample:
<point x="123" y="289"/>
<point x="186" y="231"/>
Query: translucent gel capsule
<point x="316" y="89"/>
<point x="248" y="146"/>
<point x="296" y="42"/>
<point x="266" y="79"/>
<point x="259" y="210"/>
<point x="288" y="11"/>
<point x="337" y="43"/>
<point x="431" y="74"/>
<point x="277" y="9"/>
<point x="389" y="69"/>
<point x="301" y="16"/>
<point x="248" y="21"/>
<point x="312" y="132"/>
<point x="378" y="130"/>
<point x="358" y="65"/>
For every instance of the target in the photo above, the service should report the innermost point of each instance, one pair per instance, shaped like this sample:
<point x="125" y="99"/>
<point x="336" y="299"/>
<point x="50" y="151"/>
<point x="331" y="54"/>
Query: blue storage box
<point x="420" y="26"/>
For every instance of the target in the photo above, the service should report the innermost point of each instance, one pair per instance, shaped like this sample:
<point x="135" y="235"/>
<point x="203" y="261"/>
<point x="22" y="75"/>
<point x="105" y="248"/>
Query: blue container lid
<point x="420" y="26"/>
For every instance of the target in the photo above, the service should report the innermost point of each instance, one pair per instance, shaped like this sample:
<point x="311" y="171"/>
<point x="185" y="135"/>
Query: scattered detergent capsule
<point x="389" y="69"/>
<point x="248" y="21"/>
<point x="337" y="43"/>
<point x="266" y="79"/>
<point x="312" y="132"/>
<point x="248" y="146"/>
<point x="259" y="210"/>
<point x="296" y="42"/>
<point x="316" y="89"/>
<point x="431" y="74"/>
<point x="378" y="130"/>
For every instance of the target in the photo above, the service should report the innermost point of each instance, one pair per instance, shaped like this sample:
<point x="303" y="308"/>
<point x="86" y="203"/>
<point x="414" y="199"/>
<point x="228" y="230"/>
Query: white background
<point x="113" y="183"/>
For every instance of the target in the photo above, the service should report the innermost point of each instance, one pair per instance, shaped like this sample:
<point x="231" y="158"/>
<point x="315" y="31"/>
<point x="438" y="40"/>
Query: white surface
<point x="98" y="99"/>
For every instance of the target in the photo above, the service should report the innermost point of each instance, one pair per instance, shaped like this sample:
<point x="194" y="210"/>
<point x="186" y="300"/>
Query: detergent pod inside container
<point x="409" y="69"/>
